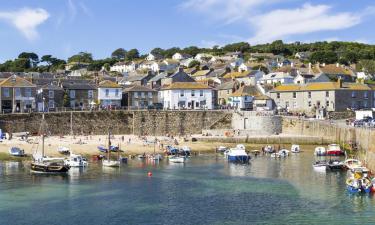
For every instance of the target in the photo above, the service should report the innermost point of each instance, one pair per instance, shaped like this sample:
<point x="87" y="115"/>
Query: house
<point x="364" y="76"/>
<point x="186" y="62"/>
<point x="137" y="79"/>
<point x="179" y="76"/>
<point x="246" y="77"/>
<point x="302" y="55"/>
<point x="153" y="57"/>
<point x="263" y="103"/>
<point x="285" y="62"/>
<point x="201" y="74"/>
<point x="180" y="56"/>
<point x="234" y="55"/>
<point x="155" y="82"/>
<point x="331" y="96"/>
<point x="187" y="95"/>
<point x="243" y="97"/>
<point x="225" y="90"/>
<point x="17" y="95"/>
<point x="139" y="97"/>
<point x="109" y="94"/>
<point x="244" y="67"/>
<point x="79" y="93"/>
<point x="276" y="78"/>
<point x="124" y="67"/>
<point x="203" y="57"/>
<point x="303" y="78"/>
<point x="50" y="97"/>
<point x="234" y="63"/>
<point x="335" y="71"/>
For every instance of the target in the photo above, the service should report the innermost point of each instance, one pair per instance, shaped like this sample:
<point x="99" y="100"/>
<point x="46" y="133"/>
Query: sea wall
<point x="119" y="122"/>
<point x="363" y="137"/>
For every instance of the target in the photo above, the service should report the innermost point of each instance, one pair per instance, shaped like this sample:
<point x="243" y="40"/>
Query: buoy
<point x="149" y="174"/>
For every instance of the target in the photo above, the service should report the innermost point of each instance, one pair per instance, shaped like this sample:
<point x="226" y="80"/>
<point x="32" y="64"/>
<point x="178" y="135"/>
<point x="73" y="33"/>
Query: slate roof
<point x="138" y="88"/>
<point x="108" y="84"/>
<point x="16" y="81"/>
<point x="321" y="87"/>
<point x="186" y="85"/>
<point x="246" y="91"/>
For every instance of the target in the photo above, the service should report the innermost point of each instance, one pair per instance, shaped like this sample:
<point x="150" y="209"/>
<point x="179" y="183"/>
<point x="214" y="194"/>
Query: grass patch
<point x="8" y="157"/>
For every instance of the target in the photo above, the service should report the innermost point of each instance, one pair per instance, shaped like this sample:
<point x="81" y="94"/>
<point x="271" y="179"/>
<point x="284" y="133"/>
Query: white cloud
<point x="228" y="11"/>
<point x="26" y="20"/>
<point x="75" y="7"/>
<point x="279" y="24"/>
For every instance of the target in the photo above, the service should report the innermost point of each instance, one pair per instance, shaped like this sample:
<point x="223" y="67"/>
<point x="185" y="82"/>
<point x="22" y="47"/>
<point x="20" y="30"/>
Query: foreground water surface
<point x="204" y="190"/>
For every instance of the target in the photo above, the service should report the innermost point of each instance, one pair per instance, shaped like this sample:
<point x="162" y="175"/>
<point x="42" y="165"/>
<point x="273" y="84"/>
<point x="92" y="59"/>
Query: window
<point x="228" y="91"/>
<point x="294" y="104"/>
<point x="365" y="95"/>
<point x="181" y="104"/>
<point x="27" y="92"/>
<point x="135" y="94"/>
<point x="90" y="94"/>
<point x="353" y="94"/>
<point x="309" y="94"/>
<point x="51" y="94"/>
<point x="149" y="94"/>
<point x="192" y="92"/>
<point x="201" y="92"/>
<point x="18" y="92"/>
<point x="142" y="94"/>
<point x="6" y="92"/>
<point x="327" y="103"/>
<point x="202" y="103"/>
<point x="116" y="92"/>
<point x="327" y="93"/>
<point x="197" y="104"/>
<point x="182" y="93"/>
<point x="365" y="104"/>
<point x="294" y="95"/>
<point x="51" y="104"/>
<point x="72" y="94"/>
<point x="106" y="92"/>
<point x="309" y="103"/>
<point x="277" y="95"/>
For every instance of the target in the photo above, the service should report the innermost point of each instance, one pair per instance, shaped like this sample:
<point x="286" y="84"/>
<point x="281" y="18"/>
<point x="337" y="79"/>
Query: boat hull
<point x="239" y="158"/>
<point x="43" y="168"/>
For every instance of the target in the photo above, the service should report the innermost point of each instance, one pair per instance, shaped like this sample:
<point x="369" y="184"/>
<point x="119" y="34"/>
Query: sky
<point x="65" y="27"/>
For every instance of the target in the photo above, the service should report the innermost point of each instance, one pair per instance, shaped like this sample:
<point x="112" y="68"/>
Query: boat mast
<point x="109" y="145"/>
<point x="43" y="134"/>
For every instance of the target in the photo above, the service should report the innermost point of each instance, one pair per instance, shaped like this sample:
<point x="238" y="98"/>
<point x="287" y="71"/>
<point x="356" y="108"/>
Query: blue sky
<point x="66" y="27"/>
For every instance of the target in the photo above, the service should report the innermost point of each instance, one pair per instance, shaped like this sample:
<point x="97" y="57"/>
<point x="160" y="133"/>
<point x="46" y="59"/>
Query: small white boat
<point x="75" y="161"/>
<point x="177" y="159"/>
<point x="334" y="150"/>
<point x="241" y="147"/>
<point x="221" y="149"/>
<point x="320" y="166"/>
<point x="295" y="149"/>
<point x="352" y="163"/>
<point x="283" y="153"/>
<point x="111" y="163"/>
<point x="15" y="151"/>
<point x="275" y="155"/>
<point x="63" y="150"/>
<point x="320" y="151"/>
<point x="156" y="157"/>
<point x="269" y="149"/>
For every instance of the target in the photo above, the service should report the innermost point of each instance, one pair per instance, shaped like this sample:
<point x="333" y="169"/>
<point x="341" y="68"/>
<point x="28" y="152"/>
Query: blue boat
<point x="102" y="148"/>
<point x="355" y="186"/>
<point x="238" y="155"/>
<point x="172" y="150"/>
<point x="15" y="151"/>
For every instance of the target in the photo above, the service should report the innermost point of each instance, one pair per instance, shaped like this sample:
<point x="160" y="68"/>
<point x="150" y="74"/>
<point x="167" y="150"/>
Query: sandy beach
<point x="87" y="145"/>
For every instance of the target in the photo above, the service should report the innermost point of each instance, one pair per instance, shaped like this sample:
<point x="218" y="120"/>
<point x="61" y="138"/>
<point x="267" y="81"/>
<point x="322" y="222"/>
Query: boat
<point x="101" y="148"/>
<point x="108" y="162"/>
<point x="335" y="164"/>
<point x="269" y="149"/>
<point x="238" y="155"/>
<point x="334" y="150"/>
<point x="352" y="163"/>
<point x="255" y="152"/>
<point x="295" y="149"/>
<point x="320" y="166"/>
<point x="221" y="149"/>
<point x="320" y="151"/>
<point x="185" y="150"/>
<point x="156" y="157"/>
<point x="76" y="161"/>
<point x="43" y="164"/>
<point x="358" y="181"/>
<point x="177" y="159"/>
<point x="63" y="150"/>
<point x="275" y="155"/>
<point x="15" y="151"/>
<point x="283" y="153"/>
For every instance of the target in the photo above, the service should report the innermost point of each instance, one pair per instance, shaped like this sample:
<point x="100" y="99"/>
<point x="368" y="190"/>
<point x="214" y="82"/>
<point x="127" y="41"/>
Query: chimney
<point x="337" y="65"/>
<point x="180" y="69"/>
<point x="339" y="81"/>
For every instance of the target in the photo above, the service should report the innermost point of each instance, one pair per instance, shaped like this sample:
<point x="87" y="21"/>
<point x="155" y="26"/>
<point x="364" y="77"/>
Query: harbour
<point x="206" y="189"/>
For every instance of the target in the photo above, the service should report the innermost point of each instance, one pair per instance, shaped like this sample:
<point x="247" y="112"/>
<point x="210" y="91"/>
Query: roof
<point x="334" y="69"/>
<point x="158" y="77"/>
<point x="201" y="73"/>
<point x="138" y="88"/>
<point x="227" y="85"/>
<point x="237" y="74"/>
<point x="136" y="78"/>
<point x="246" y="91"/>
<point x="52" y="87"/>
<point x="186" y="85"/>
<point x="82" y="85"/>
<point x="321" y="86"/>
<point x="108" y="84"/>
<point x="16" y="81"/>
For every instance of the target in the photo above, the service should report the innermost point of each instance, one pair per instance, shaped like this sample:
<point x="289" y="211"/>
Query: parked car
<point x="157" y="106"/>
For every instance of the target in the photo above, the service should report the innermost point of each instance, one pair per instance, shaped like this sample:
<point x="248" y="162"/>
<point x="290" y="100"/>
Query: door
<point x="245" y="123"/>
<point x="192" y="104"/>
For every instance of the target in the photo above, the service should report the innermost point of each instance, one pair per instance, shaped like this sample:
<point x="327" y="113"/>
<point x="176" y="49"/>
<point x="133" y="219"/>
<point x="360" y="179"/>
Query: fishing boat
<point x="269" y="149"/>
<point x="63" y="150"/>
<point x="108" y="162"/>
<point x="275" y="155"/>
<point x="75" y="161"/>
<point x="334" y="150"/>
<point x="43" y="164"/>
<point x="320" y="151"/>
<point x="238" y="155"/>
<point x="221" y="149"/>
<point x="177" y="159"/>
<point x="295" y="149"/>
<point x="283" y="153"/>
<point x="335" y="164"/>
<point x="358" y="181"/>
<point x="352" y="163"/>
<point x="15" y="151"/>
<point x="156" y="157"/>
<point x="320" y="166"/>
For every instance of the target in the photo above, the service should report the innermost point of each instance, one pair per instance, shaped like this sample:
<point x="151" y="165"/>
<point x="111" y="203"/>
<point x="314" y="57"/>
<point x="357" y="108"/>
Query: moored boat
<point x="295" y="149"/>
<point x="75" y="161"/>
<point x="283" y="153"/>
<point x="335" y="164"/>
<point x="15" y="151"/>
<point x="238" y="155"/>
<point x="221" y="149"/>
<point x="352" y="163"/>
<point x="269" y="149"/>
<point x="320" y="166"/>
<point x="63" y="150"/>
<point x="177" y="159"/>
<point x="334" y="150"/>
<point x="320" y="151"/>
<point x="108" y="162"/>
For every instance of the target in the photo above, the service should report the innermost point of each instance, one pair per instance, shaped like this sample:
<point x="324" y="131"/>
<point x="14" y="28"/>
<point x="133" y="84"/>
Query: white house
<point x="244" y="67"/>
<point x="153" y="57"/>
<point x="109" y="94"/>
<point x="180" y="56"/>
<point x="236" y="62"/>
<point x="276" y="77"/>
<point x="203" y="57"/>
<point x="364" y="75"/>
<point x="303" y="78"/>
<point x="186" y="95"/>
<point x="123" y="67"/>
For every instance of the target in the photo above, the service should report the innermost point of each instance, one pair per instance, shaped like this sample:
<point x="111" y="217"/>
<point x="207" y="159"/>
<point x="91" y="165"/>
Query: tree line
<point x="324" y="52"/>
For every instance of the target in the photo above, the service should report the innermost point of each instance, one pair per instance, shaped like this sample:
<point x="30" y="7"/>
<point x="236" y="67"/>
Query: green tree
<point x="132" y="54"/>
<point x="119" y="54"/>
<point x="323" y="57"/>
<point x="194" y="63"/>
<point x="82" y="57"/>
<point x="31" y="56"/>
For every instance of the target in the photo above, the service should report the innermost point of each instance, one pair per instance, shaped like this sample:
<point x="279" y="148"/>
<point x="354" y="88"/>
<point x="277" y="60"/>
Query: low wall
<point x="249" y="123"/>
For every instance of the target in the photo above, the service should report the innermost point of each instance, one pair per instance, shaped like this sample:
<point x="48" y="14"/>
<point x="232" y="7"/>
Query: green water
<point x="204" y="190"/>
